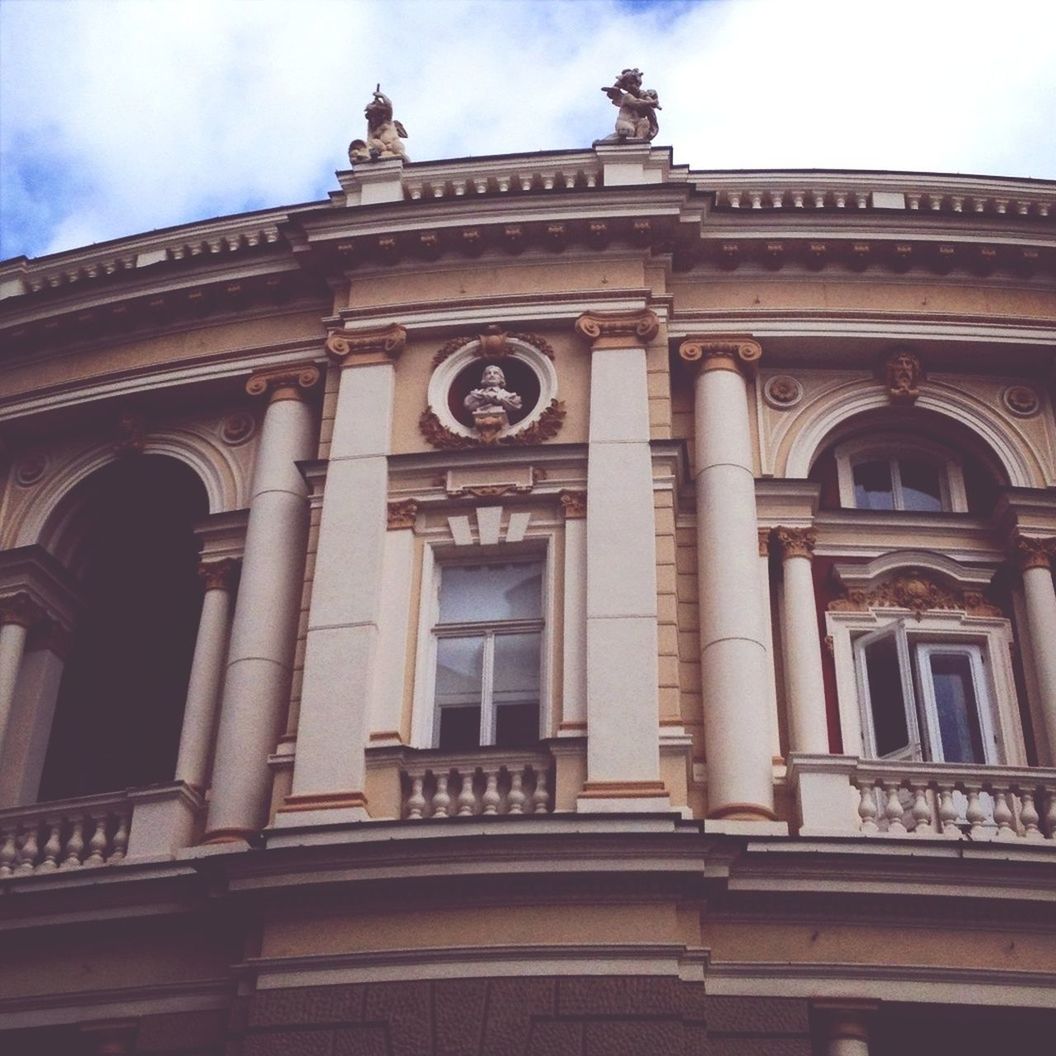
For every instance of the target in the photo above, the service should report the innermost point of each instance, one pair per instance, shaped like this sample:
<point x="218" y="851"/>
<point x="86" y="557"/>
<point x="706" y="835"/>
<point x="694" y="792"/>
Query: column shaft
<point x="264" y="629"/>
<point x="734" y="655"/>
<point x="1041" y="614"/>
<point x="12" y="649"/>
<point x="804" y="680"/>
<point x="207" y="673"/>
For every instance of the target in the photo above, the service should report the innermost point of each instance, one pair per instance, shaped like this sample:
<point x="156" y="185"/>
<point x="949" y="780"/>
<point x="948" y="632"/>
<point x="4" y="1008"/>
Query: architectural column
<point x="846" y="1034"/>
<point x="768" y="641"/>
<point x="623" y="707"/>
<point x="264" y="628"/>
<point x="18" y="613"/>
<point x="733" y="653"/>
<point x="804" y="681"/>
<point x="574" y="644"/>
<point x="207" y="672"/>
<point x="341" y="652"/>
<point x="1035" y="559"/>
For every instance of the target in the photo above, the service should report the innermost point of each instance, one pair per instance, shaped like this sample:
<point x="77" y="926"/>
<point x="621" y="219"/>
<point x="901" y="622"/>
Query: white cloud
<point x="133" y="114"/>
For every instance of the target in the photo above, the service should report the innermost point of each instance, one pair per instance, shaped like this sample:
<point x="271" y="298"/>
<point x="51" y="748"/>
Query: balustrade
<point x="59" y="836"/>
<point x="467" y="787"/>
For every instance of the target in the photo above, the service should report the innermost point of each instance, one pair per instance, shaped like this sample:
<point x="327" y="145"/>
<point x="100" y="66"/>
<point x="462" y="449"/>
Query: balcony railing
<point x="483" y="783"/>
<point x="137" y="824"/>
<point x="840" y="795"/>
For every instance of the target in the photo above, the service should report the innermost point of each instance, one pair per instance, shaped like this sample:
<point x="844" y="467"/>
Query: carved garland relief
<point x="914" y="591"/>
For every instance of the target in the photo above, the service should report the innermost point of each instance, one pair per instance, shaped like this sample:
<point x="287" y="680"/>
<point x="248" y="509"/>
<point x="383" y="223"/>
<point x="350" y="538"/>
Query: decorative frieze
<point x="1030" y="552"/>
<point x="721" y="353"/>
<point x="356" y="348"/>
<point x="1021" y="400"/>
<point x="919" y="594"/>
<point x="237" y="428"/>
<point x="284" y="383"/>
<point x="545" y="427"/>
<point x="795" y="542"/>
<point x="618" y="329"/>
<point x="574" y="505"/>
<point x="402" y="514"/>
<point x="782" y="392"/>
<point x="218" y="575"/>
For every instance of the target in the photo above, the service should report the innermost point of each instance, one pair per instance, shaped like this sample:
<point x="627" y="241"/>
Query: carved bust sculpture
<point x="638" y="106"/>
<point x="383" y="133"/>
<point x="491" y="403"/>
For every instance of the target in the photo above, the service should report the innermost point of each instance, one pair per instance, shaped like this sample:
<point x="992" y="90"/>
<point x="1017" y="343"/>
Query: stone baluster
<point x="9" y="851"/>
<point x="491" y="799"/>
<point x="948" y="814"/>
<point x="264" y="627"/>
<point x="1050" y="817"/>
<point x="1028" y="814"/>
<point x="342" y="647"/>
<point x="52" y="846"/>
<point x="207" y="672"/>
<point x="27" y="854"/>
<point x="441" y="797"/>
<point x="18" y="613"/>
<point x="733" y="652"/>
<point x="867" y="809"/>
<point x="467" y="799"/>
<point x="97" y="843"/>
<point x="515" y="798"/>
<point x="416" y="800"/>
<point x="1003" y="815"/>
<point x="1035" y="557"/>
<point x="805" y="684"/>
<point x="540" y="796"/>
<point x="921" y="811"/>
<point x="74" y="845"/>
<point x="622" y="676"/>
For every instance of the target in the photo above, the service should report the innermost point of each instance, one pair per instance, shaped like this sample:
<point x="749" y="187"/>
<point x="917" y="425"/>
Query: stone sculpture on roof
<point x="638" y="106"/>
<point x="384" y="133"/>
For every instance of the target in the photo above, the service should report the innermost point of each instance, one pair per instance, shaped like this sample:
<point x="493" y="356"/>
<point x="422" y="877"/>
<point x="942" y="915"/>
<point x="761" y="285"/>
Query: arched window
<point x="120" y="707"/>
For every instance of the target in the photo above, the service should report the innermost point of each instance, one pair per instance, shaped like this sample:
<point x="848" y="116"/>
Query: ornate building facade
<point x="547" y="604"/>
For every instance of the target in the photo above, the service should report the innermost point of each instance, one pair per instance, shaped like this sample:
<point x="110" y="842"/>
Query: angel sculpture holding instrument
<point x="384" y="133"/>
<point x="638" y="106"/>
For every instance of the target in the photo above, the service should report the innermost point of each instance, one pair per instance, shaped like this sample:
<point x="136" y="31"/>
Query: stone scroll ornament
<point x="637" y="117"/>
<point x="384" y="133"/>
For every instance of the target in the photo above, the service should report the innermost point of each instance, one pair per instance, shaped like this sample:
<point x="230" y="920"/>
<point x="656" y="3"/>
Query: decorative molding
<point x="20" y="609"/>
<point x="764" y="542"/>
<point x="618" y="329"/>
<point x="574" y="505"/>
<point x="491" y="344"/>
<point x="919" y="594"/>
<point x="545" y="427"/>
<point x="284" y="383"/>
<point x="1021" y="400"/>
<point x="795" y="542"/>
<point x="323" y="801"/>
<point x="623" y="790"/>
<point x="721" y="353"/>
<point x="31" y="469"/>
<point x="402" y="514"/>
<point x="355" y="348"/>
<point x="1029" y="552"/>
<point x="218" y="575"/>
<point x="903" y="373"/>
<point x="237" y="427"/>
<point x="782" y="392"/>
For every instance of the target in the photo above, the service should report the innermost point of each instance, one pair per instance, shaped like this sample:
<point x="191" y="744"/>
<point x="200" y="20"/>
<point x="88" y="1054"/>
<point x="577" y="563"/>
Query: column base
<point x="321" y="808"/>
<point x="623" y="797"/>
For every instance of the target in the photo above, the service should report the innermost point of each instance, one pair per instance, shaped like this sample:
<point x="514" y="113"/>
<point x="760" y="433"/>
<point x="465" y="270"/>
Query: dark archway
<point x="120" y="707"/>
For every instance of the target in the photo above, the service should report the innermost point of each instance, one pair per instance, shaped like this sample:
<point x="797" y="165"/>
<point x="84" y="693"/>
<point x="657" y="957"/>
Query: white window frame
<point x="987" y="640"/>
<point x="425" y="722"/>
<point x="891" y="447"/>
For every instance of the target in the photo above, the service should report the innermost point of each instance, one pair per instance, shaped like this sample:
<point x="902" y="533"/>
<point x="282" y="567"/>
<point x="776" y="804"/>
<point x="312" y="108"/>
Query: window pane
<point x="886" y="697"/>
<point x="459" y="729"/>
<point x="920" y="486"/>
<point x="958" y="710"/>
<point x="482" y="593"/>
<point x="459" y="663"/>
<point x="872" y="486"/>
<point x="516" y="725"/>
<point x="516" y="667"/>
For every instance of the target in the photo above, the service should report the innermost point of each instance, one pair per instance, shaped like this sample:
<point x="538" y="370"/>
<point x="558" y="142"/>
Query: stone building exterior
<point x="538" y="604"/>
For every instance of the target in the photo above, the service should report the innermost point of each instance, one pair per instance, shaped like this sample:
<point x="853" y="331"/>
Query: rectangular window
<point x="488" y="655"/>
<point x="923" y="699"/>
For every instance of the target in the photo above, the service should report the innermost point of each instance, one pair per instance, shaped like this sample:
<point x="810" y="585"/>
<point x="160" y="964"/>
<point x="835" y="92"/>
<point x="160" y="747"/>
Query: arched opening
<point x="916" y="462"/>
<point x="120" y="707"/>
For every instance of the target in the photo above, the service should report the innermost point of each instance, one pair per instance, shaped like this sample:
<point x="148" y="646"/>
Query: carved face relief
<point x="903" y="376"/>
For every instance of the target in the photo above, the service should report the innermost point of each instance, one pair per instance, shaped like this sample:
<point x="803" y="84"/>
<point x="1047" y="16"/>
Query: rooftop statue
<point x="638" y="106"/>
<point x="383" y="133"/>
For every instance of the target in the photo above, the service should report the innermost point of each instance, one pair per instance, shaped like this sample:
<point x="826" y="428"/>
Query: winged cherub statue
<point x="384" y="133"/>
<point x="638" y="106"/>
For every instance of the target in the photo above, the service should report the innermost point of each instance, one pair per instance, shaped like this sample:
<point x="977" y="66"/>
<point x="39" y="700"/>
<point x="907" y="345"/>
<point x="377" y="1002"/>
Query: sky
<point x="122" y="116"/>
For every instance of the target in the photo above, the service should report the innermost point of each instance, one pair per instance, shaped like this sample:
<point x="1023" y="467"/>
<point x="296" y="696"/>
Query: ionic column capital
<point x="218" y="575"/>
<point x="795" y="542"/>
<point x="721" y="353"/>
<point x="574" y="505"/>
<point x="618" y="329"/>
<point x="1029" y="552"/>
<point x="290" y="382"/>
<point x="20" y="609"/>
<point x="361" y="348"/>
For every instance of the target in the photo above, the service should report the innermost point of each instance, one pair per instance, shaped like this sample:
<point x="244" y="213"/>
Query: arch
<point x="820" y="416"/>
<point x="965" y="576"/>
<point x="223" y="477"/>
